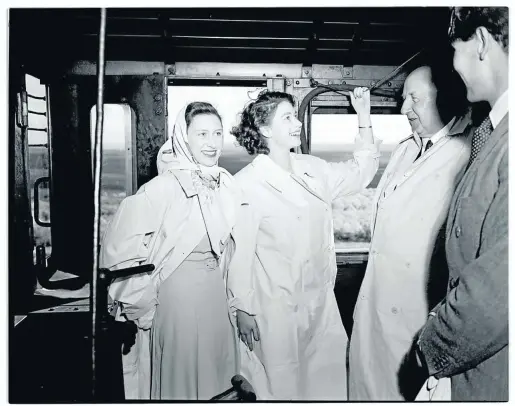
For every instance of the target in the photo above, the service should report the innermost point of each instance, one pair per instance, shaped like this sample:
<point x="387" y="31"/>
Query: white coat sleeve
<point x="354" y="175"/>
<point x="127" y="243"/>
<point x="240" y="281"/>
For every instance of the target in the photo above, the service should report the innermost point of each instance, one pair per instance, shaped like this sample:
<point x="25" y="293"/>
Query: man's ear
<point x="266" y="131"/>
<point x="484" y="39"/>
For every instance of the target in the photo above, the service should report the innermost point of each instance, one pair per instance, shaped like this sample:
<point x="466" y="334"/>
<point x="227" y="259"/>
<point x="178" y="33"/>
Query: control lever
<point x="241" y="390"/>
<point x="113" y="337"/>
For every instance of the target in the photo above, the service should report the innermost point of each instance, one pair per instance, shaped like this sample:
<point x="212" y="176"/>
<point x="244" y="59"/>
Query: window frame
<point x="33" y="187"/>
<point x="242" y="82"/>
<point x="341" y="105"/>
<point x="129" y="146"/>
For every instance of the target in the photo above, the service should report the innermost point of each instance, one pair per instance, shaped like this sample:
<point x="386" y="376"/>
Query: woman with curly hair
<point x="181" y="222"/>
<point x="281" y="278"/>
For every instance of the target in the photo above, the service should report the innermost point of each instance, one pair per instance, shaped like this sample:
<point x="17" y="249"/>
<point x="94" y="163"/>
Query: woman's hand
<point x="360" y="99"/>
<point x="247" y="328"/>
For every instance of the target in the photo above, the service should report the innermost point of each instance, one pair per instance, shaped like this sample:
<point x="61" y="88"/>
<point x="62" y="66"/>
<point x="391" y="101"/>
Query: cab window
<point x="332" y="139"/>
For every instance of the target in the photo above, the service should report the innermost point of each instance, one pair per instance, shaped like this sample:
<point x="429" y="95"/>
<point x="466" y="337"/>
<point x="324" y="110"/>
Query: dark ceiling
<point x="348" y="36"/>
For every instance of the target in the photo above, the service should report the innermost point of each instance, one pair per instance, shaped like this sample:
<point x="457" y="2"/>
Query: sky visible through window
<point x="327" y="130"/>
<point x="333" y="138"/>
<point x="230" y="101"/>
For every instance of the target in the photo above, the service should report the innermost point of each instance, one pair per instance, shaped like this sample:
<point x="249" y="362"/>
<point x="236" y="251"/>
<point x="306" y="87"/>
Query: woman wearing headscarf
<point x="181" y="222"/>
<point x="282" y="275"/>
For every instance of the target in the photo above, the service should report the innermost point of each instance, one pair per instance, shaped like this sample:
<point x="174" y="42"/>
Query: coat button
<point x="458" y="231"/>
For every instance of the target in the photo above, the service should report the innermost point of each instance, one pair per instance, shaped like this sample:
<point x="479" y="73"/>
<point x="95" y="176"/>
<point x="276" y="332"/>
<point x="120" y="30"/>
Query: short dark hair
<point x="195" y="108"/>
<point x="451" y="93"/>
<point x="255" y="115"/>
<point x="465" y="21"/>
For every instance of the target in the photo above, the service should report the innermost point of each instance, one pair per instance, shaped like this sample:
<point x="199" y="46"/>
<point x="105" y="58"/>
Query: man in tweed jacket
<point x="466" y="335"/>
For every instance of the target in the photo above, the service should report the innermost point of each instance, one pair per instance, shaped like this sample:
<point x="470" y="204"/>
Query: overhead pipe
<point x="324" y="89"/>
<point x="374" y="90"/>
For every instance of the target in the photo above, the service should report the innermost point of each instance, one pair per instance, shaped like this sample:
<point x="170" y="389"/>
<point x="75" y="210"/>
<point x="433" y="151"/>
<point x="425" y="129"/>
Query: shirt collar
<point x="499" y="109"/>
<point x="443" y="132"/>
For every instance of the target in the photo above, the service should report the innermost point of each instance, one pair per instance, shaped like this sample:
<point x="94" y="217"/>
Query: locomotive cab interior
<point x="156" y="61"/>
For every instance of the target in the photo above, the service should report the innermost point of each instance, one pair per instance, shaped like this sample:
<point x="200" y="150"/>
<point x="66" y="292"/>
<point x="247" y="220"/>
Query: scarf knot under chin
<point x="214" y="185"/>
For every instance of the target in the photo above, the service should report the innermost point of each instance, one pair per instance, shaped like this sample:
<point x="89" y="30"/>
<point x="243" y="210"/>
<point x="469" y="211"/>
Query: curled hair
<point x="196" y="108"/>
<point x="465" y="21"/>
<point x="257" y="114"/>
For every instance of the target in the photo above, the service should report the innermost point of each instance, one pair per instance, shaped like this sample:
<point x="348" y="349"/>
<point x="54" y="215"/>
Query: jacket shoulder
<point x="309" y="159"/>
<point x="311" y="162"/>
<point x="404" y="140"/>
<point x="245" y="173"/>
<point x="162" y="186"/>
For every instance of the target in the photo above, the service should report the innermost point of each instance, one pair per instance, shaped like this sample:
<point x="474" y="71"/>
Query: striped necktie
<point x="479" y="138"/>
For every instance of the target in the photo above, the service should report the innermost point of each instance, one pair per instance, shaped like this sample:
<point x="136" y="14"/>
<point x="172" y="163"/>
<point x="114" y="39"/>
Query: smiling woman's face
<point x="283" y="132"/>
<point x="206" y="138"/>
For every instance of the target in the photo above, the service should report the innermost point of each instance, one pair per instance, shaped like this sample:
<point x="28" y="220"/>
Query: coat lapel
<point x="402" y="166"/>
<point x="494" y="138"/>
<point x="303" y="174"/>
<point x="184" y="179"/>
<point x="270" y="172"/>
<point x="501" y="129"/>
<point x="279" y="179"/>
<point x="459" y="128"/>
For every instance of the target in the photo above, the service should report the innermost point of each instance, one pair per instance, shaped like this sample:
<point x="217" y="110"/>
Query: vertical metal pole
<point x="97" y="175"/>
<point x="309" y="112"/>
<point x="49" y="141"/>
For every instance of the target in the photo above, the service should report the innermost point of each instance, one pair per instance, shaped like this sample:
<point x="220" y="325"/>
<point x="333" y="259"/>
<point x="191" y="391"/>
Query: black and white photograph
<point x="257" y="203"/>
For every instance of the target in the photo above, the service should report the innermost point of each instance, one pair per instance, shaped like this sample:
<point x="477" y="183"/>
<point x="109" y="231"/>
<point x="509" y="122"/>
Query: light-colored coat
<point x="467" y="339"/>
<point x="284" y="270"/>
<point x="161" y="223"/>
<point x="410" y="208"/>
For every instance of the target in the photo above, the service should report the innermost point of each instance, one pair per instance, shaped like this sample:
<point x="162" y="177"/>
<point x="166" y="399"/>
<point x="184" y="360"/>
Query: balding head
<point x="422" y="74"/>
<point x="419" y="104"/>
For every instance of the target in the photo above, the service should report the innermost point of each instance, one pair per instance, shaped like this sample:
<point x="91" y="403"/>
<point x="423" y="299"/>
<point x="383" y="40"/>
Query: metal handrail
<point x="36" y="201"/>
<point x="96" y="187"/>
<point x="36" y="97"/>
<point x="39" y="113"/>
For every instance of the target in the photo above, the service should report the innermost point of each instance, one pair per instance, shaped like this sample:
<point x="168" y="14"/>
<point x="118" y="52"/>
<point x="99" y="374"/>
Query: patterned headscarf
<point x="215" y="186"/>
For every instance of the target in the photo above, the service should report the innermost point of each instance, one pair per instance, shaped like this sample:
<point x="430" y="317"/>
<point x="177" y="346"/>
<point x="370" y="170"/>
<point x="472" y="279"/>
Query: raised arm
<point x="352" y="176"/>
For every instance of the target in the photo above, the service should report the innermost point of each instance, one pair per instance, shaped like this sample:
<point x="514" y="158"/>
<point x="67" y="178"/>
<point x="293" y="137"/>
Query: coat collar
<point x="460" y="127"/>
<point x="272" y="173"/>
<point x="186" y="182"/>
<point x="278" y="178"/>
<point x="304" y="175"/>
